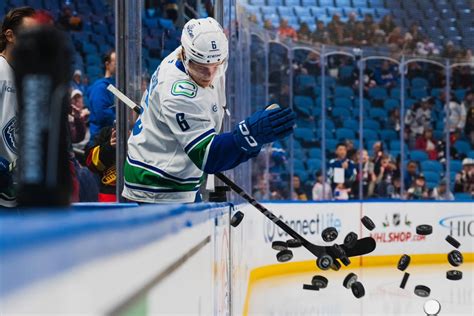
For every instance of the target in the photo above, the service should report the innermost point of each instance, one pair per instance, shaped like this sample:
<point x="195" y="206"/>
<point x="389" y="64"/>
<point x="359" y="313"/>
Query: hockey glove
<point x="264" y="127"/>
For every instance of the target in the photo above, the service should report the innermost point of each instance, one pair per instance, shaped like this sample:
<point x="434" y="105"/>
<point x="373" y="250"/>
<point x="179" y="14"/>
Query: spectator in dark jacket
<point x="341" y="165"/>
<point x="101" y="101"/>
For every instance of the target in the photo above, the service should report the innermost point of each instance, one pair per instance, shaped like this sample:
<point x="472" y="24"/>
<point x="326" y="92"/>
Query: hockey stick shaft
<point x="122" y="97"/>
<point x="261" y="208"/>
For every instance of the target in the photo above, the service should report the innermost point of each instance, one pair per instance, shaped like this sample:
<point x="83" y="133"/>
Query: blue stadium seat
<point x="395" y="93"/>
<point x="455" y="165"/>
<point x="463" y="197"/>
<point x="409" y="102"/>
<point x="292" y="3"/>
<point x="343" y="92"/>
<point x="419" y="82"/>
<point x="462" y="146"/>
<point x="326" y="3"/>
<point x="267" y="11"/>
<point x="298" y="164"/>
<point x="274" y="3"/>
<point x="431" y="176"/>
<point x="302" y="12"/>
<point x="335" y="11"/>
<point x="431" y="184"/>
<point x="330" y="81"/>
<point x="340" y="112"/>
<point x="343" y="3"/>
<point x="304" y="82"/>
<point x="331" y="144"/>
<point x="351" y="124"/>
<point x="313" y="165"/>
<point x="286" y="11"/>
<point x="370" y="134"/>
<point x="377" y="113"/>
<point x="309" y="3"/>
<point x="360" y="4"/>
<point x="418" y="93"/>
<point x="388" y="135"/>
<point x="304" y="134"/>
<point x="378" y="93"/>
<point x="460" y="93"/>
<point x="330" y="124"/>
<point x="327" y="103"/>
<point x="344" y="133"/>
<point x="346" y="71"/>
<point x="315" y="153"/>
<point x="371" y="124"/>
<point x="418" y="155"/>
<point x="342" y="102"/>
<point x="303" y="101"/>
<point x="391" y="104"/>
<point x="470" y="154"/>
<point x="257" y="2"/>
<point x="431" y="165"/>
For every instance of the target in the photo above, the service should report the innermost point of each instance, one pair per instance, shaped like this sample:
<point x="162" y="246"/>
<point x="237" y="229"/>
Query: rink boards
<point x="130" y="259"/>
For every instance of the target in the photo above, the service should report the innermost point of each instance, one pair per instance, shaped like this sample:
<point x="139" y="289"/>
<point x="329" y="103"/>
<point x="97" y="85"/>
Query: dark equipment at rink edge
<point x="363" y="246"/>
<point x="219" y="194"/>
<point x="42" y="64"/>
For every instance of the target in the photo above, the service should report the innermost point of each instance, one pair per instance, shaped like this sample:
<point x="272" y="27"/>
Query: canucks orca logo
<point x="9" y="133"/>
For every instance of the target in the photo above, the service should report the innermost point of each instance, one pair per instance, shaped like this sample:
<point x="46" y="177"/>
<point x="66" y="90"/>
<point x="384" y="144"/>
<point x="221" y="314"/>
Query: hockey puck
<point x="279" y="245"/>
<point x="341" y="254"/>
<point x="454" y="275"/>
<point x="453" y="241"/>
<point x="455" y="258"/>
<point x="424" y="230"/>
<point x="293" y="243"/>
<point x="403" y="262"/>
<point x="310" y="287"/>
<point x="404" y="280"/>
<point x="236" y="219"/>
<point x="368" y="223"/>
<point x="319" y="281"/>
<point x="357" y="289"/>
<point x="350" y="240"/>
<point x="432" y="307"/>
<point x="335" y="265"/>
<point x="350" y="279"/>
<point x="329" y="234"/>
<point x="422" y="291"/>
<point x="324" y="262"/>
<point x="284" y="255"/>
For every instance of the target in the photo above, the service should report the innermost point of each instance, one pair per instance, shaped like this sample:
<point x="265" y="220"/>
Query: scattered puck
<point x="284" y="255"/>
<point x="432" y="307"/>
<point x="422" y="291"/>
<point x="403" y="262"/>
<point x="455" y="258"/>
<point x="454" y="275"/>
<point x="350" y="279"/>
<point x="424" y="230"/>
<point x="319" y="281"/>
<point x="279" y="245"/>
<point x="350" y="240"/>
<point x="310" y="287"/>
<point x="368" y="223"/>
<point x="324" y="262"/>
<point x="329" y="234"/>
<point x="345" y="260"/>
<point x="237" y="218"/>
<point x="453" y="241"/>
<point x="404" y="280"/>
<point x="335" y="265"/>
<point x="357" y="289"/>
<point x="293" y="243"/>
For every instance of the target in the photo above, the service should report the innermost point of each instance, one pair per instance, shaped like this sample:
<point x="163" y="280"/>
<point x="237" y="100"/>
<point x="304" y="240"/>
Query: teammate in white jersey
<point x="176" y="139"/>
<point x="12" y="23"/>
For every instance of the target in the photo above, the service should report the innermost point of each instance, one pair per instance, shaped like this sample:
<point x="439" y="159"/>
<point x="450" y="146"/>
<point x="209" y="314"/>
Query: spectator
<point x="369" y="80"/>
<point x="351" y="22"/>
<point x="377" y="155"/>
<point x="298" y="190"/>
<point x="334" y="25"/>
<point x="395" y="38"/>
<point x="171" y="9"/>
<point x="410" y="173"/>
<point x="304" y="33"/>
<point x="311" y="65"/>
<point x="260" y="192"/>
<point x="469" y="126"/>
<point x="426" y="47"/>
<point x="368" y="24"/>
<point x="268" y="25"/>
<point x="387" y="24"/>
<point x="368" y="176"/>
<point x="341" y="192"/>
<point x="77" y="117"/>
<point x="464" y="181"/>
<point x="101" y="100"/>
<point x="69" y="20"/>
<point x="396" y="193"/>
<point x="457" y="114"/>
<point x="360" y="35"/>
<point x="413" y="36"/>
<point x="319" y="187"/>
<point x="418" y="118"/>
<point x="449" y="50"/>
<point x="351" y="150"/>
<point x="101" y="160"/>
<point x="286" y="31"/>
<point x="387" y="75"/>
<point x="441" y="192"/>
<point x="378" y="36"/>
<point x="320" y="34"/>
<point x="13" y="22"/>
<point x="76" y="83"/>
<point x="427" y="143"/>
<point x="418" y="189"/>
<point x="341" y="169"/>
<point x="384" y="175"/>
<point x="394" y="120"/>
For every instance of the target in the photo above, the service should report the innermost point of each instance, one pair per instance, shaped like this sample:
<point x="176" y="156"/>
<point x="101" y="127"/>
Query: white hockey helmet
<point x="204" y="41"/>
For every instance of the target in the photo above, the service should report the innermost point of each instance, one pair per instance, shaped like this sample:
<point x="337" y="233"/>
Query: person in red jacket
<point x="427" y="143"/>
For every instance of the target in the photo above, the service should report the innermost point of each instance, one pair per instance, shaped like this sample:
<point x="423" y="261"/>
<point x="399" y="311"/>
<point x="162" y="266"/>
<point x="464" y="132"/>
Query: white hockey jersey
<point x="8" y="123"/>
<point x="170" y="142"/>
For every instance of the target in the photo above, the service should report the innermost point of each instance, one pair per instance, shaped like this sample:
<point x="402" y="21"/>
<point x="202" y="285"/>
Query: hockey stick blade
<point x="363" y="246"/>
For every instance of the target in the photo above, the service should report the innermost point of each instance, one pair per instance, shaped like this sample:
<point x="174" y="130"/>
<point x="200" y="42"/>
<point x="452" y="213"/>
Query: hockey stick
<point x="326" y="254"/>
<point x="363" y="246"/>
<point x="122" y="97"/>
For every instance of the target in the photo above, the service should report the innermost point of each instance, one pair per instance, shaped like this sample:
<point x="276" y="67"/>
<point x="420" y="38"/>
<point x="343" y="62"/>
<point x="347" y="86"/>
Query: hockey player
<point x="176" y="139"/>
<point x="12" y="23"/>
